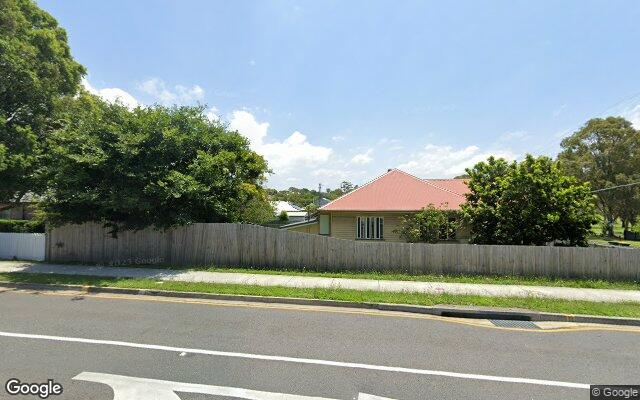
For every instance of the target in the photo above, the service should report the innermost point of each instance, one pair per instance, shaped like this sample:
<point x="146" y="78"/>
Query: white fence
<point x="22" y="246"/>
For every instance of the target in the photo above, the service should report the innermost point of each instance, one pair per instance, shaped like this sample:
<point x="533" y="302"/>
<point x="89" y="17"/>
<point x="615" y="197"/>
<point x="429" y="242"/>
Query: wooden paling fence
<point x="261" y="247"/>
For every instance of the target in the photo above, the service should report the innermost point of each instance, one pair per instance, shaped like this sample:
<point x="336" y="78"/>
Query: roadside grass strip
<point x="629" y="309"/>
<point x="397" y="276"/>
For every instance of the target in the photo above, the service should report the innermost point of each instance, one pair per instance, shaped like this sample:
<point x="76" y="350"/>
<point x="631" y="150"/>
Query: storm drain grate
<point x="506" y="323"/>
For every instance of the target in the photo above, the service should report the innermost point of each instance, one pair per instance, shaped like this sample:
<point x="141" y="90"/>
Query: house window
<point x="370" y="228"/>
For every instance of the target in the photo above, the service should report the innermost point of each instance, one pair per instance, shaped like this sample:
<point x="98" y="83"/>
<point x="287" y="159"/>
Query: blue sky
<point x="342" y="90"/>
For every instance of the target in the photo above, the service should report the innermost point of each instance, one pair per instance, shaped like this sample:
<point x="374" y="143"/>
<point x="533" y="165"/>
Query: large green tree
<point x="606" y="153"/>
<point x="152" y="166"/>
<point x="36" y="70"/>
<point x="527" y="203"/>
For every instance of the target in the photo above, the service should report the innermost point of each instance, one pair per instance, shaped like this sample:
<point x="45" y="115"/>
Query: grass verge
<point x="605" y="241"/>
<point x="547" y="305"/>
<point x="496" y="280"/>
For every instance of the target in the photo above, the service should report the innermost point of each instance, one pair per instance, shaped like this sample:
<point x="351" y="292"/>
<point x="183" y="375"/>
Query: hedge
<point x="20" y="225"/>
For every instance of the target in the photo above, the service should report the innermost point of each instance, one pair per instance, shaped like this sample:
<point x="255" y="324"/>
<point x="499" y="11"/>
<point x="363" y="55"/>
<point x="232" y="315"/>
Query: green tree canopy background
<point x="606" y="153"/>
<point x="152" y="166"/>
<point x="528" y="203"/>
<point x="36" y="70"/>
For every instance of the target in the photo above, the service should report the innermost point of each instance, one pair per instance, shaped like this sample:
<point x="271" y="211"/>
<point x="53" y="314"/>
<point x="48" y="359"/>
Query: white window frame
<point x="370" y="228"/>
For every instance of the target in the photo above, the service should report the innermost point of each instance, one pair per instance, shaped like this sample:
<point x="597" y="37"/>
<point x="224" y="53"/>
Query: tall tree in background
<point x="36" y="70"/>
<point x="150" y="167"/>
<point x="606" y="153"/>
<point x="527" y="203"/>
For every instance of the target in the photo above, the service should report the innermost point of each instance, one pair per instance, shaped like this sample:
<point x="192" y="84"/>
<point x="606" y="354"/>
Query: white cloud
<point x="514" y="135"/>
<point x="387" y="141"/>
<point x="337" y="138"/>
<point x="445" y="161"/>
<point x="363" y="158"/>
<point x="213" y="114"/>
<point x="245" y="123"/>
<point x="179" y="94"/>
<point x="283" y="156"/>
<point x="112" y="95"/>
<point x="390" y="144"/>
<point x="634" y="116"/>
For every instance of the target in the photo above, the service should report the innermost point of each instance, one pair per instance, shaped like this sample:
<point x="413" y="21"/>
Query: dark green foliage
<point x="527" y="203"/>
<point x="36" y="70"/>
<point x="21" y="226"/>
<point x="153" y="166"/>
<point x="430" y="225"/>
<point x="257" y="210"/>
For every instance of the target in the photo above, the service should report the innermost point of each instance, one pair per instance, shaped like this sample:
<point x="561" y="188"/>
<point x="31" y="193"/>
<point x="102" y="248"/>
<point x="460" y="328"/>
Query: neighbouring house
<point x="321" y="201"/>
<point x="373" y="211"/>
<point x="295" y="213"/>
<point x="24" y="209"/>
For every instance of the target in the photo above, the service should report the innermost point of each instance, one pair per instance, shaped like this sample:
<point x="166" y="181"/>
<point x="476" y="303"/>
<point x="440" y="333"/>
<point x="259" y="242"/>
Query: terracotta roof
<point x="458" y="186"/>
<point x="399" y="191"/>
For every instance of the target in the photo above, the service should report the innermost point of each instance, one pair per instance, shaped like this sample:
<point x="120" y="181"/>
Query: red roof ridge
<point x="360" y="187"/>
<point x="443" y="189"/>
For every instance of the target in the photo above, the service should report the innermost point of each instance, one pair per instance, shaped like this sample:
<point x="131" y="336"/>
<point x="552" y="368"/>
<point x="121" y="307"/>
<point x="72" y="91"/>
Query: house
<point x="24" y="209"/>
<point x="373" y="211"/>
<point x="295" y="213"/>
<point x="321" y="201"/>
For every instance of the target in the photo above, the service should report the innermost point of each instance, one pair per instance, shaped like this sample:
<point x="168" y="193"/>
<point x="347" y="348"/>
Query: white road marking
<point x="127" y="388"/>
<point x="311" y="361"/>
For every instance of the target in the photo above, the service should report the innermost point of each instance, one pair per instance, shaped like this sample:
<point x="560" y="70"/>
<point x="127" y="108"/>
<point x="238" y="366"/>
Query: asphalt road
<point x="138" y="348"/>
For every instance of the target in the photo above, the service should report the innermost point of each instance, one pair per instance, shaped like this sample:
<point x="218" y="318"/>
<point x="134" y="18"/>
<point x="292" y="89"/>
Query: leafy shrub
<point x="430" y="225"/>
<point x="21" y="226"/>
<point x="283" y="216"/>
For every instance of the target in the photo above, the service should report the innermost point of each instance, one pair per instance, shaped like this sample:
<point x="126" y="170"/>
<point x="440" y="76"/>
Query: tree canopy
<point x="303" y="197"/>
<point x="606" y="153"/>
<point x="430" y="225"/>
<point x="528" y="203"/>
<point x="37" y="69"/>
<point x="153" y="166"/>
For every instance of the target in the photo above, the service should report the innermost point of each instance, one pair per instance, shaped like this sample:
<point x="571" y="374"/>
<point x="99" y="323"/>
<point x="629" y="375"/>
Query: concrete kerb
<point x="455" y="312"/>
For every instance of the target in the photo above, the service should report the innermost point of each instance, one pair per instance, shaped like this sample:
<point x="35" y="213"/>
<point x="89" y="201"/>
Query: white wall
<point x="23" y="246"/>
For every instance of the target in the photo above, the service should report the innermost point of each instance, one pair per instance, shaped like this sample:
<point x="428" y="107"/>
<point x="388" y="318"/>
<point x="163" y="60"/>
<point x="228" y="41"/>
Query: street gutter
<point x="442" y="311"/>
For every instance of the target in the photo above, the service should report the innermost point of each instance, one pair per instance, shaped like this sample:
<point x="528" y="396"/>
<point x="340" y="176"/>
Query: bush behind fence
<point x="262" y="247"/>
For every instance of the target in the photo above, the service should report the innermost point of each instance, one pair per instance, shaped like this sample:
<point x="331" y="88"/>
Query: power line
<point x="615" y="187"/>
<point x="548" y="144"/>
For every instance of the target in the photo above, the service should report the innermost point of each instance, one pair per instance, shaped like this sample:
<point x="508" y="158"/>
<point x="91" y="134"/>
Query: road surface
<point x="107" y="347"/>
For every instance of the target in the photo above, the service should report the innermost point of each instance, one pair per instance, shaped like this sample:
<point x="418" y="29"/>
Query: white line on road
<point x="312" y="361"/>
<point x="128" y="387"/>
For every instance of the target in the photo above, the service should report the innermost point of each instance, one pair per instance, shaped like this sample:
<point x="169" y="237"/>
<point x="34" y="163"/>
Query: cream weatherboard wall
<point x="308" y="228"/>
<point x="343" y="225"/>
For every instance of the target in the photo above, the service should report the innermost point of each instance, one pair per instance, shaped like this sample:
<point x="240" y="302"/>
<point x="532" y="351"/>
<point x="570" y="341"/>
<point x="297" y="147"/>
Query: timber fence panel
<point x="261" y="247"/>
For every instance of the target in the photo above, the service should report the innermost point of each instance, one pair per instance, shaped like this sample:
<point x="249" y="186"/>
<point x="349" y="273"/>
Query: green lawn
<point x="605" y="241"/>
<point x="497" y="280"/>
<point x="618" y="232"/>
<point x="548" y="305"/>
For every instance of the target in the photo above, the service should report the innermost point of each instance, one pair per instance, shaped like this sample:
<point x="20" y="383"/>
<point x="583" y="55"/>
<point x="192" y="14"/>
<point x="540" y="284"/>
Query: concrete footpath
<point x="602" y="295"/>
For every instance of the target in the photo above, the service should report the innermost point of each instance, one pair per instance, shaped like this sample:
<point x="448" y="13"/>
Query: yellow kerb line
<point x="337" y="310"/>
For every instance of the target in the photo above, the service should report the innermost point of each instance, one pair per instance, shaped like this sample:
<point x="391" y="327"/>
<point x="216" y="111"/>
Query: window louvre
<point x="369" y="228"/>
